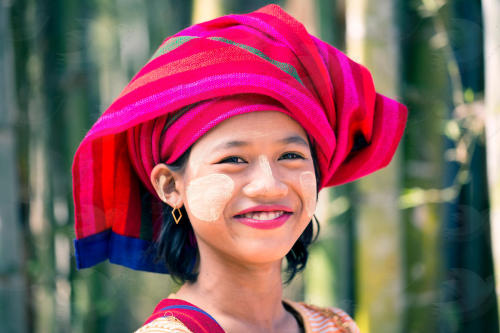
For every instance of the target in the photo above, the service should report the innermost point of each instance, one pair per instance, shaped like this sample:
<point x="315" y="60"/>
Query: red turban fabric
<point x="261" y="61"/>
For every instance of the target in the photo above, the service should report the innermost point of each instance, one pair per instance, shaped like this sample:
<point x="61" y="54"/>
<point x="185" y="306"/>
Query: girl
<point x="209" y="163"/>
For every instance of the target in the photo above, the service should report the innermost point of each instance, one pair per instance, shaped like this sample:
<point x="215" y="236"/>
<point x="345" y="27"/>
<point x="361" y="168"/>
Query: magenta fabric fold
<point x="260" y="61"/>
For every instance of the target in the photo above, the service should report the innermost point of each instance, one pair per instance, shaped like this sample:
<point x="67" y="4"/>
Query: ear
<point x="167" y="184"/>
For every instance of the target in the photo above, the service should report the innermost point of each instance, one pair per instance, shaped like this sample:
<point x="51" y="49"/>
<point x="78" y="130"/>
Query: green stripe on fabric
<point x="171" y="44"/>
<point x="287" y="68"/>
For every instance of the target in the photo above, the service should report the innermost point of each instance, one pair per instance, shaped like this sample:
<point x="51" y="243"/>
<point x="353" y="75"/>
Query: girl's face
<point x="249" y="187"/>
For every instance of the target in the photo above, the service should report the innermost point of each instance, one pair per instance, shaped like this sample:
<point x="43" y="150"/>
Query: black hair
<point x="176" y="243"/>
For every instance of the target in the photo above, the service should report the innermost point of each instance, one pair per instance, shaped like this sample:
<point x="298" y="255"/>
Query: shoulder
<point x="329" y="319"/>
<point x="175" y="315"/>
<point x="164" y="324"/>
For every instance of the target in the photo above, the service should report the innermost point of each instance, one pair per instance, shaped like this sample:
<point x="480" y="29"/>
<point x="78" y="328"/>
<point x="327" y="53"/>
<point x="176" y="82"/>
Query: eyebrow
<point x="236" y="143"/>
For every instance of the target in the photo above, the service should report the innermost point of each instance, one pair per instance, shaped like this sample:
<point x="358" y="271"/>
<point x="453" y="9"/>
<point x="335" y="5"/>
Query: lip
<point x="266" y="208"/>
<point x="267" y="224"/>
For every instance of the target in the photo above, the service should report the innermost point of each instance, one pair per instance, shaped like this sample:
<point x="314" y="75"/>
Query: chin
<point x="259" y="252"/>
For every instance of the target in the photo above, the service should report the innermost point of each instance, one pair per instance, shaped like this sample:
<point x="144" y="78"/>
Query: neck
<point x="250" y="295"/>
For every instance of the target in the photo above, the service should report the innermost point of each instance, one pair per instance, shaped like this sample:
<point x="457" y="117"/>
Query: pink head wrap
<point x="261" y="61"/>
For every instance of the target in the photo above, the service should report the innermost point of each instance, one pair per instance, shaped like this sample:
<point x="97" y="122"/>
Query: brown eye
<point x="291" y="156"/>
<point x="232" y="160"/>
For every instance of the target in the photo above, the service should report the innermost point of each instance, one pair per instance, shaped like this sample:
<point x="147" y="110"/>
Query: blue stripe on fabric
<point x="188" y="307"/>
<point x="91" y="250"/>
<point x="130" y="252"/>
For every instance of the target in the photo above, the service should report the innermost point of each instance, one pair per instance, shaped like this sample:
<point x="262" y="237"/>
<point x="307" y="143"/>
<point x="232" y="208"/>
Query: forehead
<point x="253" y="127"/>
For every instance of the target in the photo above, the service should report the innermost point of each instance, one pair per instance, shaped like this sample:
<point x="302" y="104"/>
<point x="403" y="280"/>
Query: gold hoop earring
<point x="176" y="219"/>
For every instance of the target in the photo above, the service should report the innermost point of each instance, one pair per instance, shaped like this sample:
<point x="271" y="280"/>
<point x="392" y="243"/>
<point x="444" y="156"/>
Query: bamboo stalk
<point x="371" y="38"/>
<point x="12" y="288"/>
<point x="491" y="17"/>
<point x="204" y="10"/>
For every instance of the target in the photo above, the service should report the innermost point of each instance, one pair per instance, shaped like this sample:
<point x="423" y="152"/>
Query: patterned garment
<point x="192" y="317"/>
<point x="323" y="320"/>
<point x="314" y="320"/>
<point x="260" y="61"/>
<point x="164" y="324"/>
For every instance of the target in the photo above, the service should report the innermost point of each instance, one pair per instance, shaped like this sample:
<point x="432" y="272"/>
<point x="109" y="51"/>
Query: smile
<point x="261" y="216"/>
<point x="264" y="220"/>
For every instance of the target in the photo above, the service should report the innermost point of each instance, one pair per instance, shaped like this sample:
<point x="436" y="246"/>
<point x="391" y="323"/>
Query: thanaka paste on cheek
<point x="308" y="186"/>
<point x="208" y="195"/>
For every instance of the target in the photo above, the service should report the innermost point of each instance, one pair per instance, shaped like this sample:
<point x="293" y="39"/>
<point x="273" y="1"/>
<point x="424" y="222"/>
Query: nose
<point x="263" y="183"/>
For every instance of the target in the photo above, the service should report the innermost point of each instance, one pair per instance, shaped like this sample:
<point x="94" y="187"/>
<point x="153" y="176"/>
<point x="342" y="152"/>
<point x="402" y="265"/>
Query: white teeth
<point x="264" y="215"/>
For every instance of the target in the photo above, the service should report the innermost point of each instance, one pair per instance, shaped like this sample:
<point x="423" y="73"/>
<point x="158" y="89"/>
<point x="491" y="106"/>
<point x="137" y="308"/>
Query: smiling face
<point x="249" y="187"/>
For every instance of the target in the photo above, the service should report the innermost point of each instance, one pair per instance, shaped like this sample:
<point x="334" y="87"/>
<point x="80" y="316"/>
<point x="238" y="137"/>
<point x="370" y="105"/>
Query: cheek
<point x="308" y="187"/>
<point x="207" y="196"/>
<point x="195" y="161"/>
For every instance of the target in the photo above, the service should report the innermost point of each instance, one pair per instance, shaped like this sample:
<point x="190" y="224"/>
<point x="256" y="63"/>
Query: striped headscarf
<point x="261" y="61"/>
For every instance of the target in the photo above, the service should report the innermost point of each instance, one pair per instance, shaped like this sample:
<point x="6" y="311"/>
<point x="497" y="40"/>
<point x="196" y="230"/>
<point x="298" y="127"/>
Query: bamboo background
<point x="412" y="248"/>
